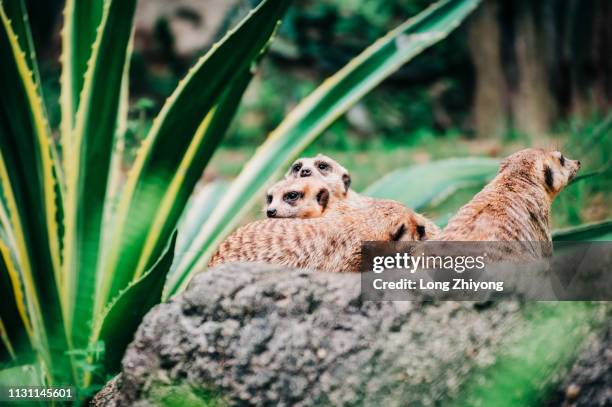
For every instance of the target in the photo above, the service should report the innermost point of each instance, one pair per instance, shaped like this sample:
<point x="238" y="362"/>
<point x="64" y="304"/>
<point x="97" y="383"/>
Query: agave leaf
<point x="81" y="22"/>
<point x="213" y="128"/>
<point x="17" y="13"/>
<point x="118" y="153"/>
<point x="590" y="232"/>
<point x="15" y="324"/>
<point x="315" y="113"/>
<point x="90" y="156"/>
<point x="28" y="185"/>
<point x="198" y="209"/>
<point x="7" y="235"/>
<point x="420" y="185"/>
<point x="25" y="130"/>
<point x="7" y="350"/>
<point x="179" y="145"/>
<point x="125" y="313"/>
<point x="19" y="271"/>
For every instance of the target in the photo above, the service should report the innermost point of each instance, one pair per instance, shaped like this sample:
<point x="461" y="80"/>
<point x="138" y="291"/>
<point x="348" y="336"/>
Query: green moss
<point x="185" y="395"/>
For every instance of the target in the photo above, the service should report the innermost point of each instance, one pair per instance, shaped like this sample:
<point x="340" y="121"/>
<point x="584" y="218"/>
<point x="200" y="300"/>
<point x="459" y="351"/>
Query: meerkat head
<point x="550" y="169"/>
<point x="333" y="174"/>
<point x="297" y="198"/>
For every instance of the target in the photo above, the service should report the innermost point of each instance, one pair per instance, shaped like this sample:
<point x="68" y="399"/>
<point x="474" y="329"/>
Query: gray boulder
<point x="589" y="382"/>
<point x="253" y="334"/>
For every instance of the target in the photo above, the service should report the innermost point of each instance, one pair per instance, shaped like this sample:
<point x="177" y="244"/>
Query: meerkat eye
<point x="269" y="199"/>
<point x="291" y="196"/>
<point x="323" y="166"/>
<point x="296" y="167"/>
<point x="562" y="160"/>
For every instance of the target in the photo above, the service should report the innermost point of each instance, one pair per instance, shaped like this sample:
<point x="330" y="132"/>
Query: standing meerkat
<point x="330" y="243"/>
<point x="515" y="205"/>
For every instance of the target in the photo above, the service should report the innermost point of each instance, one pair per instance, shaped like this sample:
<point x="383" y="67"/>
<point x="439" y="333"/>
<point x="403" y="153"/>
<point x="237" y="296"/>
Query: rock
<point x="108" y="395"/>
<point x="256" y="334"/>
<point x="589" y="382"/>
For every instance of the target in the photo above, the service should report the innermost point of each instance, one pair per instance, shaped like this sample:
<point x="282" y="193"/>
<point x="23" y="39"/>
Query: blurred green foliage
<point x="426" y="97"/>
<point x="317" y="38"/>
<point x="588" y="200"/>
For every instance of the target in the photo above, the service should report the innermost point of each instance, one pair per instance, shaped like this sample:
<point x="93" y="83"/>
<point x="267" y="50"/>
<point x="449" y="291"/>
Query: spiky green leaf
<point x="81" y="22"/>
<point x="17" y="12"/>
<point x="90" y="157"/>
<point x="15" y="328"/>
<point x="591" y="232"/>
<point x="198" y="209"/>
<point x="28" y="186"/>
<point x="125" y="313"/>
<point x="420" y="185"/>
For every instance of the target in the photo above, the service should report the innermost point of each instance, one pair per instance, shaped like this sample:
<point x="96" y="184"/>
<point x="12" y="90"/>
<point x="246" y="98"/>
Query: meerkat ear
<point x="346" y="179"/>
<point x="323" y="197"/>
<point x="548" y="178"/>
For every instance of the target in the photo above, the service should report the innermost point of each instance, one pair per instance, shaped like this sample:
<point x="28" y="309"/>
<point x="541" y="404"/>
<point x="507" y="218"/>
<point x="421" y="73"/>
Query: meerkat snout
<point x="297" y="198"/>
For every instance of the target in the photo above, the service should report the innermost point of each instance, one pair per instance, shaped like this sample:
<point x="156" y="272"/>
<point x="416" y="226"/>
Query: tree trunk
<point x="489" y="110"/>
<point x="532" y="102"/>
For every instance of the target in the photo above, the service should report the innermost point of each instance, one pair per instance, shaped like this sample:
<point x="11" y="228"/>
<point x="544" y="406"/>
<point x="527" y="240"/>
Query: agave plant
<point x="71" y="242"/>
<point x="84" y="256"/>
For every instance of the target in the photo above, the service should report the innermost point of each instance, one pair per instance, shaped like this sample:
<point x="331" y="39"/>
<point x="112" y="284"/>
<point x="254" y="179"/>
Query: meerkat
<point x="515" y="205"/>
<point x="298" y="198"/>
<point x="330" y="243"/>
<point x="332" y="173"/>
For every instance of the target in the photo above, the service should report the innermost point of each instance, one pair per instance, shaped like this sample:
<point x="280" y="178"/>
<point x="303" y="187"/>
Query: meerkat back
<point x="330" y="243"/>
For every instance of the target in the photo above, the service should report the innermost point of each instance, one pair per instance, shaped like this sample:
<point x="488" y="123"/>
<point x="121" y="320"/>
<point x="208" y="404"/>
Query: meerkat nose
<point x="578" y="162"/>
<point x="271" y="213"/>
<point x="305" y="173"/>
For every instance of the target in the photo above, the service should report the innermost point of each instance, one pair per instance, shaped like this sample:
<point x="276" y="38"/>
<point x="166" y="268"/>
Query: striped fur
<point x="330" y="243"/>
